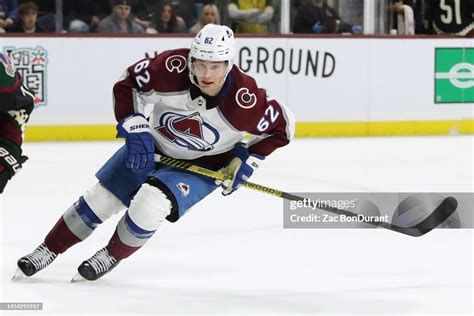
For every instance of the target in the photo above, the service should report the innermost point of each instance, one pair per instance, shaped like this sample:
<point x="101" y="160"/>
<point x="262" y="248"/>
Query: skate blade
<point x="18" y="275"/>
<point x="78" y="278"/>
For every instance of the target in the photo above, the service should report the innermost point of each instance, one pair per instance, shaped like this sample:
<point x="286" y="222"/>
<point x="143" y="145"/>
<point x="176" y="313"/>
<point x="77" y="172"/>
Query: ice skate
<point x="96" y="266"/>
<point x="30" y="264"/>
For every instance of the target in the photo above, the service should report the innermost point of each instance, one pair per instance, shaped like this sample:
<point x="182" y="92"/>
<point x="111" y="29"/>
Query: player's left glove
<point x="140" y="148"/>
<point x="240" y="169"/>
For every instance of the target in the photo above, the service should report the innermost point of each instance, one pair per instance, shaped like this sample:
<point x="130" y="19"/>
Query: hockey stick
<point x="438" y="216"/>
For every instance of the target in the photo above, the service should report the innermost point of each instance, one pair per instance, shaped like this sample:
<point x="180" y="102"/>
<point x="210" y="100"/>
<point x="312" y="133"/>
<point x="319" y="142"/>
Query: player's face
<point x="122" y="11"/>
<point x="29" y="19"/>
<point x="210" y="75"/>
<point x="166" y="13"/>
<point x="209" y="15"/>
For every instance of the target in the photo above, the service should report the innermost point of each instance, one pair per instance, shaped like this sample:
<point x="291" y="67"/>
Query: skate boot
<point x="96" y="266"/>
<point x="39" y="259"/>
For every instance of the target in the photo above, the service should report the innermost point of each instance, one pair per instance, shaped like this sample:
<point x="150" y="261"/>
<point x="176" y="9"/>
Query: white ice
<point x="231" y="254"/>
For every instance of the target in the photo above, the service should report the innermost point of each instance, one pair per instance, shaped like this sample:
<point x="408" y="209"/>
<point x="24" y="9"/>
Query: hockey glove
<point x="10" y="157"/>
<point x="140" y="148"/>
<point x="11" y="161"/>
<point x="240" y="169"/>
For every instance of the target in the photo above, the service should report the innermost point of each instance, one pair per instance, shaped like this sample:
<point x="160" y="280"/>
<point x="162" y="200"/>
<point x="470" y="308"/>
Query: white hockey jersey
<point x="189" y="125"/>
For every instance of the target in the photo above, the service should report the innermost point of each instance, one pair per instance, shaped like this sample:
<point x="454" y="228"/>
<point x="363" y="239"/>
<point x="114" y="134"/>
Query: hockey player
<point x="203" y="106"/>
<point x="16" y="105"/>
<point x="454" y="17"/>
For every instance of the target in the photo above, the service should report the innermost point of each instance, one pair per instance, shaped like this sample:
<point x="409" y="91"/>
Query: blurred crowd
<point x="396" y="17"/>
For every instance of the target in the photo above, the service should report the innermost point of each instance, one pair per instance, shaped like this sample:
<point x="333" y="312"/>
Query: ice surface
<point x="231" y="254"/>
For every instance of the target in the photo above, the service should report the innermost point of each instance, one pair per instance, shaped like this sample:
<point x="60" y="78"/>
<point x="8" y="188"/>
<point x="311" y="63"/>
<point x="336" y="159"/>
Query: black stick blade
<point x="436" y="218"/>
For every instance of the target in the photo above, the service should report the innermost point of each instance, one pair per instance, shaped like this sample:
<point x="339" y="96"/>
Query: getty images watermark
<point x="24" y="306"/>
<point x="313" y="217"/>
<point x="363" y="210"/>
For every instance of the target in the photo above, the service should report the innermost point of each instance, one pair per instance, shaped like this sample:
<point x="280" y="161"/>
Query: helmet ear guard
<point x="212" y="43"/>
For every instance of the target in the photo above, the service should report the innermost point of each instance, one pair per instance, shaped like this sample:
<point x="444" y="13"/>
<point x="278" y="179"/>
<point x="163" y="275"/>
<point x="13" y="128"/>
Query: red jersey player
<point x="16" y="105"/>
<point x="203" y="106"/>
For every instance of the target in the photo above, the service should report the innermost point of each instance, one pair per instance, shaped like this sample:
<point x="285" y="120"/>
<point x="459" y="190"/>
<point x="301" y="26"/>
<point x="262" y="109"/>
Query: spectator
<point x="2" y="21"/>
<point x="166" y="21"/>
<point x="249" y="16"/>
<point x="28" y="22"/>
<point x="186" y="9"/>
<point x="47" y="14"/>
<point x="8" y="12"/>
<point x="120" y="21"/>
<point x="209" y="14"/>
<point x="294" y="6"/>
<point x="351" y="11"/>
<point x="316" y="16"/>
<point x="143" y="12"/>
<point x="452" y="17"/>
<point x="85" y="15"/>
<point x="403" y="16"/>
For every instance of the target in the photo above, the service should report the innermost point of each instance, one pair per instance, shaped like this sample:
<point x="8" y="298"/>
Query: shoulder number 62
<point x="270" y="116"/>
<point x="144" y="78"/>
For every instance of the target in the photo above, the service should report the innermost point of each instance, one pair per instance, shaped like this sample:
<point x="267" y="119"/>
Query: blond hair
<point x="201" y="23"/>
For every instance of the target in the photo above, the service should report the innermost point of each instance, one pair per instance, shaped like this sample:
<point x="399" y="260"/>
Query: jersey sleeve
<point x="249" y="109"/>
<point x="18" y="97"/>
<point x="274" y="129"/>
<point x="144" y="81"/>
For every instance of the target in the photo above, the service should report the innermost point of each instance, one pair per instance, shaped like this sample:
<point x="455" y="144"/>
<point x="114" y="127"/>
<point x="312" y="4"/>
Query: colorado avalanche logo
<point x="189" y="131"/>
<point x="245" y="99"/>
<point x="176" y="62"/>
<point x="184" y="188"/>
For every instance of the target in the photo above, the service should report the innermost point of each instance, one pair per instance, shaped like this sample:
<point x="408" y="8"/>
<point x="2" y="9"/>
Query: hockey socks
<point x="75" y="225"/>
<point x="127" y="238"/>
<point x="147" y="211"/>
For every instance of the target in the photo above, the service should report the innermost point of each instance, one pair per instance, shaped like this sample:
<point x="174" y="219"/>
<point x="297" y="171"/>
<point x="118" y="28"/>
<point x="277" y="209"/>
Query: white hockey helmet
<point x="212" y="43"/>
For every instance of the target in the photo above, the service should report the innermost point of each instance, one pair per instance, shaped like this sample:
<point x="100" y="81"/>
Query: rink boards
<point x="335" y="86"/>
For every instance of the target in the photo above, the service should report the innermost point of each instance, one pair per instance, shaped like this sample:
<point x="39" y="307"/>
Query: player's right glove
<point x="239" y="169"/>
<point x="140" y="148"/>
<point x="11" y="161"/>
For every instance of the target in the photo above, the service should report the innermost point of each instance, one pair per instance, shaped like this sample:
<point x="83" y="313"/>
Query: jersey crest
<point x="176" y="63"/>
<point x="184" y="188"/>
<point x="245" y="99"/>
<point x="190" y="131"/>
